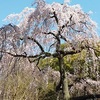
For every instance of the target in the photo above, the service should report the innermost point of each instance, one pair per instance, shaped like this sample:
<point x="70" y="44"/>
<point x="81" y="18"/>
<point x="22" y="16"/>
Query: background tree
<point x="40" y="32"/>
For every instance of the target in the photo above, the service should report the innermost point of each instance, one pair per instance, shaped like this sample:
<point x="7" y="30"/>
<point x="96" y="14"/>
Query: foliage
<point x="75" y="64"/>
<point x="52" y="62"/>
<point x="22" y="84"/>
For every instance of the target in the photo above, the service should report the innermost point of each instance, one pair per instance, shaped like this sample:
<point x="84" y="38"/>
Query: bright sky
<point x="15" y="6"/>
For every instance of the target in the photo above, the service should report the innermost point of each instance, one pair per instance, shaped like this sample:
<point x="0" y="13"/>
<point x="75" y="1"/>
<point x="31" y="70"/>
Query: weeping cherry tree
<point x="37" y="33"/>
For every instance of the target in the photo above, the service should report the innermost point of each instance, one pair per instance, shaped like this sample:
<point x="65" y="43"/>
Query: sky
<point x="16" y="6"/>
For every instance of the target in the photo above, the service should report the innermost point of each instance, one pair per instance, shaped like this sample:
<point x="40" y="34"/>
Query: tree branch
<point x="55" y="16"/>
<point x="51" y="33"/>
<point x="51" y="46"/>
<point x="40" y="46"/>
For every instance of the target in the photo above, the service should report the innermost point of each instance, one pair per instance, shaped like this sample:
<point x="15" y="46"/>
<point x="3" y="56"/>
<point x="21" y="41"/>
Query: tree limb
<point x="40" y="46"/>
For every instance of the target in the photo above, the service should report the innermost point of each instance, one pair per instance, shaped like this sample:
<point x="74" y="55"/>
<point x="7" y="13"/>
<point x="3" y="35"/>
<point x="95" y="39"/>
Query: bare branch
<point x="34" y="40"/>
<point x="55" y="16"/>
<point x="51" y="46"/>
<point x="40" y="46"/>
<point x="51" y="33"/>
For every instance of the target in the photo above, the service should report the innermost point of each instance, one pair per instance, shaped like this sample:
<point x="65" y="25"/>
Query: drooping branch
<point x="77" y="30"/>
<point x="34" y="40"/>
<point x="62" y="37"/>
<point x="51" y="33"/>
<point x="40" y="46"/>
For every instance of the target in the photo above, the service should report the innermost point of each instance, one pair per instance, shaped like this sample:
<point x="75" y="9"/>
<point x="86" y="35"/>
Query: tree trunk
<point x="63" y="84"/>
<point x="65" y="90"/>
